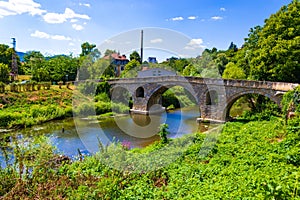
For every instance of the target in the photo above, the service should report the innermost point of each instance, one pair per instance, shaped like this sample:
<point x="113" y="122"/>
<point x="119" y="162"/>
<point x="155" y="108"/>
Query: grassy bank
<point x="23" y="109"/>
<point x="253" y="160"/>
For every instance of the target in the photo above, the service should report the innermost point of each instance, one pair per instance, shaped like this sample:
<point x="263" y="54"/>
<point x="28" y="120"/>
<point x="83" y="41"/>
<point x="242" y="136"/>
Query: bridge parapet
<point x="282" y="86"/>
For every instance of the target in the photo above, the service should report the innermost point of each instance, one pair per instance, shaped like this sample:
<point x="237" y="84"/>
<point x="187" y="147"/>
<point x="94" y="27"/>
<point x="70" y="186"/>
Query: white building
<point x="148" y="72"/>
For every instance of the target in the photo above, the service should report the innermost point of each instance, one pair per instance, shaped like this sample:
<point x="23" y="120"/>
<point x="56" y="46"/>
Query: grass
<point x="248" y="161"/>
<point x="24" y="109"/>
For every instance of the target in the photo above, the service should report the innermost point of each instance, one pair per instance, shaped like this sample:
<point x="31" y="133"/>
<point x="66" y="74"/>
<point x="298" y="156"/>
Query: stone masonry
<point x="214" y="96"/>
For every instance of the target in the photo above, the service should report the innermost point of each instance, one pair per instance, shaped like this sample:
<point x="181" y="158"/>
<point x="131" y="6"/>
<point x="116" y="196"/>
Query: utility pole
<point x="14" y="65"/>
<point x="142" y="44"/>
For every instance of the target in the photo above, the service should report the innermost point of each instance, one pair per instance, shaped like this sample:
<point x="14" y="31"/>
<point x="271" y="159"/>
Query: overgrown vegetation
<point x="248" y="160"/>
<point x="33" y="107"/>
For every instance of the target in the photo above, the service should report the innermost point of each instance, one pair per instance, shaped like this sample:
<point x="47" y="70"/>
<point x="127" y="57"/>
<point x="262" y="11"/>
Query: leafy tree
<point x="232" y="47"/>
<point x="87" y="48"/>
<point x="190" y="70"/>
<point x="5" y="55"/>
<point x="4" y="73"/>
<point x="62" y="68"/>
<point x="131" y="68"/>
<point x="108" y="52"/>
<point x="135" y="56"/>
<point x="101" y="68"/>
<point x="232" y="71"/>
<point x="163" y="133"/>
<point x="276" y="57"/>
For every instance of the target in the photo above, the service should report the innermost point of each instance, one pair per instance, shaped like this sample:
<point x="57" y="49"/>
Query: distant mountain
<point x="21" y="56"/>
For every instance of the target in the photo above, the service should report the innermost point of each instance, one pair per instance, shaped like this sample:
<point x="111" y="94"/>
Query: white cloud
<point x="71" y="44"/>
<point x="194" y="44"/>
<point x="43" y="35"/>
<point x="18" y="7"/>
<point x="60" y="37"/>
<point x="216" y="18"/>
<point x="73" y="20"/>
<point x="57" y="18"/>
<point x="223" y="9"/>
<point x="157" y="40"/>
<point x="192" y="17"/>
<point x="109" y="41"/>
<point x="177" y="19"/>
<point x="85" y="4"/>
<point x="40" y="34"/>
<point x="77" y="27"/>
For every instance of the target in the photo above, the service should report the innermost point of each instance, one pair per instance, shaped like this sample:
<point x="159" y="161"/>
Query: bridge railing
<point x="283" y="86"/>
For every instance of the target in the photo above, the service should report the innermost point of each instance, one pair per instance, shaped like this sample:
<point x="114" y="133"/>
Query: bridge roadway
<point x="214" y="96"/>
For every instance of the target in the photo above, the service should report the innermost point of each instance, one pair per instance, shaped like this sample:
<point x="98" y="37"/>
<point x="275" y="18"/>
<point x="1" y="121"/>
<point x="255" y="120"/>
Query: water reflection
<point x="138" y="130"/>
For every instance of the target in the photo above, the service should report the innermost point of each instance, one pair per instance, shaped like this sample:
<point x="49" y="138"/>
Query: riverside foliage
<point x="250" y="160"/>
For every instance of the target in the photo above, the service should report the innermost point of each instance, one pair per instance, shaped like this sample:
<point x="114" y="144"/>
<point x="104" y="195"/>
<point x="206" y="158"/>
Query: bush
<point x="85" y="109"/>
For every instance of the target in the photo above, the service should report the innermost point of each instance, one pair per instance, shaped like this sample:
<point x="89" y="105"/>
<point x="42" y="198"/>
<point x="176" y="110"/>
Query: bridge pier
<point x="145" y="107"/>
<point x="211" y="113"/>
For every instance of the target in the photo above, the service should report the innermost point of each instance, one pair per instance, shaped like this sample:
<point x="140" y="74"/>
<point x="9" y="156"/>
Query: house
<point x="152" y="60"/>
<point x="147" y="72"/>
<point x="118" y="61"/>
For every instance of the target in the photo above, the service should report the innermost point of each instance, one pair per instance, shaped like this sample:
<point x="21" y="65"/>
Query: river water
<point x="71" y="135"/>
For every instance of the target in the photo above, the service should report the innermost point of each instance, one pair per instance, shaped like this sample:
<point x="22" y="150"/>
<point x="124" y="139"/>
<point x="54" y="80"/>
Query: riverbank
<point x="27" y="108"/>
<point x="257" y="159"/>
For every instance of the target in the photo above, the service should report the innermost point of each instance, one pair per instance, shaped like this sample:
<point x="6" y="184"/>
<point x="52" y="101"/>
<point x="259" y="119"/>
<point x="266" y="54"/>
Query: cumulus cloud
<point x="17" y="7"/>
<point x="194" y="44"/>
<point x="157" y="40"/>
<point x="77" y="27"/>
<point x="216" y="18"/>
<point x="43" y="35"/>
<point x="73" y="20"/>
<point x="177" y="19"/>
<point x="223" y="9"/>
<point x="192" y="17"/>
<point x="85" y="4"/>
<point x="57" y="18"/>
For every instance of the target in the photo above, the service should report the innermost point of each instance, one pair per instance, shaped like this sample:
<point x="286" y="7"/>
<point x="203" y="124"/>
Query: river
<point x="71" y="135"/>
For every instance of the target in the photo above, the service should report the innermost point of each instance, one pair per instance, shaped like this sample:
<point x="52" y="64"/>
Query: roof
<point x="116" y="56"/>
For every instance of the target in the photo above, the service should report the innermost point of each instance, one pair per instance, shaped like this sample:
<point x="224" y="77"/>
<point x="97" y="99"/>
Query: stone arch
<point x="120" y="94"/>
<point x="140" y="92"/>
<point x="231" y="100"/>
<point x="155" y="95"/>
<point x="211" y="97"/>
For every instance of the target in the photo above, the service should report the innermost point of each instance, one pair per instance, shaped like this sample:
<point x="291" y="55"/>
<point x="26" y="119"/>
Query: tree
<point x="62" y="68"/>
<point x="130" y="69"/>
<point x="232" y="47"/>
<point x="5" y="55"/>
<point x="101" y="68"/>
<point x="232" y="71"/>
<point x="108" y="52"/>
<point x="276" y="57"/>
<point x="87" y="48"/>
<point x="135" y="56"/>
<point x="163" y="133"/>
<point x="190" y="70"/>
<point x="4" y="73"/>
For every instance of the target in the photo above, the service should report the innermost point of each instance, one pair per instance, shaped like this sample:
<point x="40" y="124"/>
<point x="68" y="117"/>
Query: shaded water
<point x="137" y="130"/>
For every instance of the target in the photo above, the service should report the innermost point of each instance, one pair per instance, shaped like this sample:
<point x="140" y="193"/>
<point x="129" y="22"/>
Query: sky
<point x="181" y="28"/>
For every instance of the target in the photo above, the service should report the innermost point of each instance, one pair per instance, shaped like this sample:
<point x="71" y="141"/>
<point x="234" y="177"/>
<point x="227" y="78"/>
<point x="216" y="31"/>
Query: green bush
<point x="102" y="107"/>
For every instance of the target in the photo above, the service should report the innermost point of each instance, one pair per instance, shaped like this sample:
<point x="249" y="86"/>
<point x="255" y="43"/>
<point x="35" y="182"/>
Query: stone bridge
<point x="213" y="96"/>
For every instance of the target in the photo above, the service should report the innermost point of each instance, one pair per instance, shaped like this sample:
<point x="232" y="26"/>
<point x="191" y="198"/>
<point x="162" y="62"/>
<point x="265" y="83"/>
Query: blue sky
<point x="60" y="27"/>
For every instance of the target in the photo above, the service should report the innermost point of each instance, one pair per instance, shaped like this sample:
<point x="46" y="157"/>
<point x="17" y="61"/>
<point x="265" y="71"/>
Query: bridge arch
<point x="211" y="97"/>
<point x="155" y="96"/>
<point x="120" y="94"/>
<point x="140" y="92"/>
<point x="232" y="99"/>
